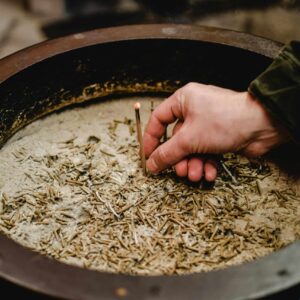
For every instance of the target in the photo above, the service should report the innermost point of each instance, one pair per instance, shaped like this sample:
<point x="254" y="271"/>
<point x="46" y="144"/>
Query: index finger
<point x="166" y="113"/>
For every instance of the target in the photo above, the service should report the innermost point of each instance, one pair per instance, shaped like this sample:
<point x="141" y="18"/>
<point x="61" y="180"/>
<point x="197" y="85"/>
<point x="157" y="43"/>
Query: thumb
<point x="169" y="153"/>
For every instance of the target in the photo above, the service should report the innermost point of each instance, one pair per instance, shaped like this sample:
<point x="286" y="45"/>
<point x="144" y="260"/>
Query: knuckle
<point x="190" y="86"/>
<point x="179" y="94"/>
<point x="162" y="155"/>
<point x="194" y="90"/>
<point x="185" y="94"/>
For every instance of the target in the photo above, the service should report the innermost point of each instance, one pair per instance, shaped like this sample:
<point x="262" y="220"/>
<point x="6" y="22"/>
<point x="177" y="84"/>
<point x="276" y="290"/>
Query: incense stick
<point x="165" y="138"/>
<point x="140" y="136"/>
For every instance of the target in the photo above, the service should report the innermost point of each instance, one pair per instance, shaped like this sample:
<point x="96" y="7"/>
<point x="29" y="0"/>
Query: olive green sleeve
<point x="278" y="88"/>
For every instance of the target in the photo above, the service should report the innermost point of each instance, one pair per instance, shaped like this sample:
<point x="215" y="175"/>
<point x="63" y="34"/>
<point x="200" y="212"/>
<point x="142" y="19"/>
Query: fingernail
<point x="152" y="166"/>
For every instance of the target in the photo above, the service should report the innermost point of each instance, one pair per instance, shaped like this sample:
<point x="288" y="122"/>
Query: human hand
<point x="210" y="120"/>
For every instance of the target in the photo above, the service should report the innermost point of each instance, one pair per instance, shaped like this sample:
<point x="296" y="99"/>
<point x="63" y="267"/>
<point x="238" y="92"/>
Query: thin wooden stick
<point x="165" y="135"/>
<point x="140" y="136"/>
<point x="152" y="106"/>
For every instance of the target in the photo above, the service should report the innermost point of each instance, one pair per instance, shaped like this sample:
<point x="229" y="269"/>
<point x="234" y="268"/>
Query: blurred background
<point x="26" y="22"/>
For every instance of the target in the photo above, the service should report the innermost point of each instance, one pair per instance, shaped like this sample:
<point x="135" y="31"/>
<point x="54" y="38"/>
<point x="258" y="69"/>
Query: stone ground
<point x="274" y="23"/>
<point x="19" y="29"/>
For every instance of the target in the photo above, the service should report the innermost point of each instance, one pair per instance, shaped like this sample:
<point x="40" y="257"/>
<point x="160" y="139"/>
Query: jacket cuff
<point x="278" y="88"/>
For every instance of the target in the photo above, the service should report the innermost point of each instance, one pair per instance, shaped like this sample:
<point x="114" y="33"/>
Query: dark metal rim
<point x="20" y="60"/>
<point x="268" y="275"/>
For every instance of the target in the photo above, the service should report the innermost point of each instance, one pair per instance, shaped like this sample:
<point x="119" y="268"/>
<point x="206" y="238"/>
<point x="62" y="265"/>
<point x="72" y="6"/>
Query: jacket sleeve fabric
<point x="278" y="88"/>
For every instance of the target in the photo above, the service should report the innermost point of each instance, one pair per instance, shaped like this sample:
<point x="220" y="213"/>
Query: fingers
<point x="177" y="127"/>
<point x="210" y="170"/>
<point x="195" y="169"/>
<point x="181" y="168"/>
<point x="199" y="167"/>
<point x="166" y="113"/>
<point x="174" y="152"/>
<point x="169" y="153"/>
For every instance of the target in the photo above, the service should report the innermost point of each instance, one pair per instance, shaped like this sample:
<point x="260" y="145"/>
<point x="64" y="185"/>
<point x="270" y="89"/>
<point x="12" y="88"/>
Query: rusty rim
<point x="18" y="61"/>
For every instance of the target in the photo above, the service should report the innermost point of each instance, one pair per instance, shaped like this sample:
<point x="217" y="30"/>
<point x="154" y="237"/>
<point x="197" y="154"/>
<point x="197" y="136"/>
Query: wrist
<point x="263" y="130"/>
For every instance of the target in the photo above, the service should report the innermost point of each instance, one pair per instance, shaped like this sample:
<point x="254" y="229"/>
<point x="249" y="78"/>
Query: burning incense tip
<point x="137" y="105"/>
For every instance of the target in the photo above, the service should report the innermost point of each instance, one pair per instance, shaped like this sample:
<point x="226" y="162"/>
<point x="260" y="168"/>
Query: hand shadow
<point x="287" y="157"/>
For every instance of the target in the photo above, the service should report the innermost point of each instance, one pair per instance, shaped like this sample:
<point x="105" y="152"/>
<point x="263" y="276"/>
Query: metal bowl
<point x="128" y="60"/>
